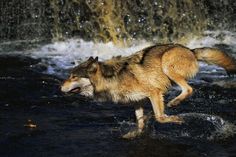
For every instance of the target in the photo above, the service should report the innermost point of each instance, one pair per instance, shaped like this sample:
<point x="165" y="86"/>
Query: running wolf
<point x="145" y="74"/>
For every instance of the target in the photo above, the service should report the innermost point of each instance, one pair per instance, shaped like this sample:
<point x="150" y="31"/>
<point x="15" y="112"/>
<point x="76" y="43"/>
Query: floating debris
<point x="30" y="124"/>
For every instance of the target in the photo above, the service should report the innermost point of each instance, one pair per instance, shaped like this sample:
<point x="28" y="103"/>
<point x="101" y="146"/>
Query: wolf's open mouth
<point x="75" y="90"/>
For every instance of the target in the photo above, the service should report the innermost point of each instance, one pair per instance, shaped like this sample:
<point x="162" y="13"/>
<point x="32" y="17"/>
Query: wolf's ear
<point x="90" y="59"/>
<point x="107" y="70"/>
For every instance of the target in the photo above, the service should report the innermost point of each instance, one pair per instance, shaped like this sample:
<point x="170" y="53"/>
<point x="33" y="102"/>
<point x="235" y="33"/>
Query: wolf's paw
<point x="173" y="103"/>
<point x="170" y="119"/>
<point x="132" y="134"/>
<point x="177" y="119"/>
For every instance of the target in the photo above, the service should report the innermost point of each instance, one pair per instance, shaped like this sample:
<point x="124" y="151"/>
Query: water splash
<point x="197" y="126"/>
<point x="212" y="38"/>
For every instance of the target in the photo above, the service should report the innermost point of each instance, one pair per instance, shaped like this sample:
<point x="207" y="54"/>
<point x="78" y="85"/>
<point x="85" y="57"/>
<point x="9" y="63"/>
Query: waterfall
<point x="112" y="20"/>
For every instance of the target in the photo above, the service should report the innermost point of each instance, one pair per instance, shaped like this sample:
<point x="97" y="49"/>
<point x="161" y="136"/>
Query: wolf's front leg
<point x="140" y="123"/>
<point x="156" y="99"/>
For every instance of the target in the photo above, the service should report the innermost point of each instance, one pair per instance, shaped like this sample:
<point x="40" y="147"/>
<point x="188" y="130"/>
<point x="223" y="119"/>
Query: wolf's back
<point x="215" y="56"/>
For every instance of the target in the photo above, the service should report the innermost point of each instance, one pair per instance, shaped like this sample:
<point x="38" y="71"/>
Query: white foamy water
<point x="64" y="55"/>
<point x="211" y="38"/>
<point x="59" y="56"/>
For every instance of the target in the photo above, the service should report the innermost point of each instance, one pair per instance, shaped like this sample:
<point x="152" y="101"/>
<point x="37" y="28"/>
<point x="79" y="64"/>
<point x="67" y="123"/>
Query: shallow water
<point x="70" y="125"/>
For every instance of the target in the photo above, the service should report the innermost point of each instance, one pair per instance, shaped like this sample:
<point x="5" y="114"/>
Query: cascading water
<point x="113" y="20"/>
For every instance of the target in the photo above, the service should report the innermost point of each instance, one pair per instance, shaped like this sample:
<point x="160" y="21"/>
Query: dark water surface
<point x="70" y="125"/>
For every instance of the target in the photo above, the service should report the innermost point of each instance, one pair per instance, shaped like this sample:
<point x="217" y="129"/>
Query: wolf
<point x="147" y="73"/>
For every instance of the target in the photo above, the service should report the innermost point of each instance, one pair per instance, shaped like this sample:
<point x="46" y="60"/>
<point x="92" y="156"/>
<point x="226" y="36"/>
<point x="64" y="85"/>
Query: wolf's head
<point x="79" y="80"/>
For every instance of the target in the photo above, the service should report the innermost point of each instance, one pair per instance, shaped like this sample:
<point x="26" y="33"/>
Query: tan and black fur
<point x="145" y="74"/>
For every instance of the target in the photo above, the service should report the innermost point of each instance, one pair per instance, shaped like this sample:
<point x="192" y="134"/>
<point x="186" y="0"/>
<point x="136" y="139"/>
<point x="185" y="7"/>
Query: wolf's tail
<point x="215" y="56"/>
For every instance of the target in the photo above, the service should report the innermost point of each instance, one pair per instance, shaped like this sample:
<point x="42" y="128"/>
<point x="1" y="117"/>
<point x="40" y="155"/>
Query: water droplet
<point x="118" y="29"/>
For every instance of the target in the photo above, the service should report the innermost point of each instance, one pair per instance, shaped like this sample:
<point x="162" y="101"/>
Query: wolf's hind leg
<point x="158" y="106"/>
<point x="180" y="64"/>
<point x="186" y="89"/>
<point x="140" y="123"/>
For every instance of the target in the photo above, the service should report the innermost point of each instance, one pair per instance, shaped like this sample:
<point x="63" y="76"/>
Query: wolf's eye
<point x="72" y="76"/>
